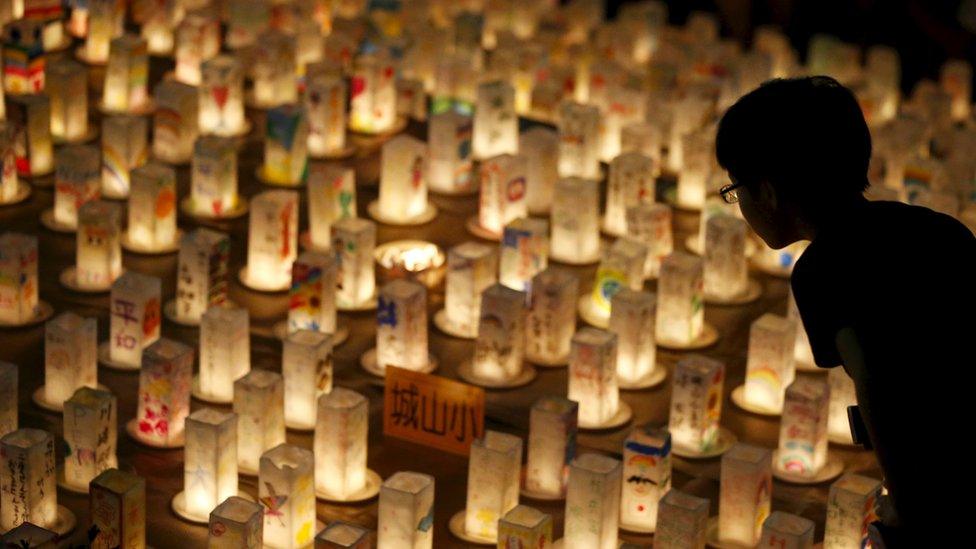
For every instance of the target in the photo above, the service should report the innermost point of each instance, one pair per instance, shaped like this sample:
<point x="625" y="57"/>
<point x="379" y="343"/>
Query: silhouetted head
<point x="800" y="148"/>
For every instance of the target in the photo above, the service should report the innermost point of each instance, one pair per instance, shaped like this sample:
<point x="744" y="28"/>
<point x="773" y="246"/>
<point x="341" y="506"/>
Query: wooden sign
<point x="432" y="410"/>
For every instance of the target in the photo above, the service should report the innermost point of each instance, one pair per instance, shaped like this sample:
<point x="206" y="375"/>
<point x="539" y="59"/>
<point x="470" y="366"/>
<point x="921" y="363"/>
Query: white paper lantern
<point x="646" y="477"/>
<point x="681" y="521"/>
<point x="575" y="226"/>
<point x="19" y="283"/>
<point x="551" y="320"/>
<point x="696" y="404"/>
<point x="285" y="146"/>
<point x="552" y="445"/>
<point x="175" y="121"/>
<point x="312" y="296"/>
<point x="273" y="71"/>
<point x="769" y="369"/>
<point x="201" y="280"/>
<point x="632" y="318"/>
<point x="851" y="505"/>
<point x="118" y="509"/>
<point x="306" y="364"/>
<point x="164" y="394"/>
<point x="372" y="95"/>
<point x="126" y="86"/>
<point x="401" y="332"/>
<point x="197" y="40"/>
<point x="134" y="309"/>
<point x="209" y="463"/>
<point x="76" y="182"/>
<point x="502" y="193"/>
<point x="449" y="162"/>
<point x="35" y="154"/>
<point x="472" y="267"/>
<point x="681" y="310"/>
<point x="325" y="101"/>
<point x="90" y="433"/>
<point x="579" y="141"/>
<point x="331" y="197"/>
<point x="221" y="107"/>
<point x="341" y="445"/>
<point x="27" y="473"/>
<point x="353" y="240"/>
<point x="236" y="524"/>
<point x="70" y="359"/>
<point x="67" y="87"/>
<point x="98" y="258"/>
<point x="272" y="240"/>
<point x="540" y="148"/>
<point x="493" y="483"/>
<point x="225" y="353"/>
<point x="500" y="345"/>
<point x="787" y="530"/>
<point x="631" y="183"/>
<point x="524" y="252"/>
<point x="745" y="494"/>
<point x="725" y="269"/>
<point x="259" y="402"/>
<point x="286" y="489"/>
<point x="403" y="183"/>
<point x="495" y="121"/>
<point x="593" y="377"/>
<point x="803" y="429"/>
<point x="124" y="148"/>
<point x="406" y="512"/>
<point x="592" y="502"/>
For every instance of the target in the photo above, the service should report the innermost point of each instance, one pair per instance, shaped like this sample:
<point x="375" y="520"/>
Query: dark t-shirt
<point x="904" y="279"/>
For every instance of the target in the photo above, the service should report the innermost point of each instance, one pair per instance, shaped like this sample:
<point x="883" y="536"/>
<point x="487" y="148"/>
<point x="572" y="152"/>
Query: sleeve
<point x="821" y="310"/>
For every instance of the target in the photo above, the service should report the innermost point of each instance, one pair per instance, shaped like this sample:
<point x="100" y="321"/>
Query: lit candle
<point x="631" y="183"/>
<point x="221" y="99"/>
<point x="19" y="284"/>
<point x="273" y="71"/>
<point x="152" y="209"/>
<point x="312" y="295"/>
<point x="331" y="197"/>
<point x="342" y="535"/>
<point x="236" y="524"/>
<point x="70" y="358"/>
<point x="502" y="193"/>
<point x="592" y="503"/>
<point x="197" y="40"/>
<point x="449" y="166"/>
<point x="696" y="404"/>
<point x="105" y="18"/>
<point x="8" y="397"/>
<point x="401" y="327"/>
<point x="644" y="138"/>
<point x="842" y="395"/>
<point x="681" y="521"/>
<point x="769" y="369"/>
<point x="681" y="310"/>
<point x="725" y="270"/>
<point x="495" y="121"/>
<point x="803" y="429"/>
<point x="851" y="507"/>
<point x="67" y="88"/>
<point x="341" y="447"/>
<point x="493" y="483"/>
<point x="90" y="433"/>
<point x="787" y="531"/>
<point x="406" y="512"/>
<point x="540" y="147"/>
<point x="632" y="318"/>
<point x="524" y="252"/>
<point x="213" y="184"/>
<point x="157" y="29"/>
<point x="621" y="267"/>
<point x="245" y="21"/>
<point x="126" y="86"/>
<point x="471" y="268"/>
<point x="124" y="148"/>
<point x="744" y="494"/>
<point x="956" y="79"/>
<point x="373" y="95"/>
<point x="134" y="310"/>
<point x="403" y="183"/>
<point x="272" y="240"/>
<point x="117" y="506"/>
<point x="259" y="402"/>
<point x="500" y="345"/>
<point x="35" y="155"/>
<point x="76" y="183"/>
<point x="287" y="491"/>
<point x="164" y="394"/>
<point x="98" y="258"/>
<point x="579" y="141"/>
<point x="551" y="318"/>
<point x="201" y="280"/>
<point x="552" y="445"/>
<point x="209" y="464"/>
<point x="27" y="474"/>
<point x="353" y="240"/>
<point x="225" y="353"/>
<point x="23" y="57"/>
<point x="575" y="226"/>
<point x="325" y="102"/>
<point x="646" y="477"/>
<point x="593" y="377"/>
<point x="175" y="122"/>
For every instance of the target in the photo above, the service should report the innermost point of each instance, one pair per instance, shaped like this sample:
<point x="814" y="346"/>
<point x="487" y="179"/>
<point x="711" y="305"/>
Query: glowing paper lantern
<point x="12" y="190"/>
<point x="127" y="76"/>
<point x="164" y="394"/>
<point x="788" y="531"/>
<point x="259" y="402"/>
<point x="726" y="271"/>
<point x="575" y="225"/>
<point x="455" y="86"/>
<point x="551" y="319"/>
<point x="161" y="20"/>
<point x="842" y="395"/>
<point x="696" y="405"/>
<point x="495" y="121"/>
<point x="210" y="464"/>
<point x="540" y="148"/>
<point x="592" y="502"/>
<point x="401" y="332"/>
<point x="331" y="197"/>
<point x="406" y="512"/>
<point x="76" y="183"/>
<point x="307" y="369"/>
<point x="70" y="358"/>
<point x="579" y="140"/>
<point x="213" y="185"/>
<point x="353" y="240"/>
<point x="342" y="535"/>
<point x="630" y="184"/>
<point x="90" y="433"/>
<point x="105" y="18"/>
<point x="19" y="303"/>
<point x="225" y="353"/>
<point x="524" y="252"/>
<point x="622" y="267"/>
<point x="681" y="310"/>
<point x="851" y="507"/>
<point x="175" y="122"/>
<point x="403" y="184"/>
<point x="246" y="20"/>
<point x="287" y="491"/>
<point x="98" y="258"/>
<point x="411" y="101"/>
<point x="285" y="146"/>
<point x="769" y="369"/>
<point x="221" y="99"/>
<point x="201" y="280"/>
<point x="698" y="150"/>
<point x="803" y="429"/>
<point x="502" y="194"/>
<point x="471" y="269"/>
<point x="681" y="521"/>
<point x="493" y="483"/>
<point x="325" y="102"/>
<point x="311" y="304"/>
<point x="67" y="88"/>
<point x="152" y="210"/>
<point x="8" y="397"/>
<point x="552" y="445"/>
<point x="646" y="477"/>
<point x="956" y="78"/>
<point x="27" y="474"/>
<point x="134" y="318"/>
<point x="272" y="240"/>
<point x="23" y="57"/>
<point x="118" y="509"/>
<point x="273" y="71"/>
<point x="449" y="160"/>
<point x="500" y="345"/>
<point x="372" y="94"/>
<point x="35" y="151"/>
<point x="124" y="148"/>
<point x="197" y="40"/>
<point x="644" y="138"/>
<point x="236" y="524"/>
<point x="688" y="113"/>
<point x="593" y="379"/>
<point x="341" y="446"/>
<point x="632" y="318"/>
<point x="744" y="494"/>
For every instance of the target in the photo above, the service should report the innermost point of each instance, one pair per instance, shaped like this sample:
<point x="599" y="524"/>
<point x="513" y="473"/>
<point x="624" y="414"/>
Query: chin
<point x="777" y="241"/>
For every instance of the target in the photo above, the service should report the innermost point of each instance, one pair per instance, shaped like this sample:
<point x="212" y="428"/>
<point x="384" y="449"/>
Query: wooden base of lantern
<point x="262" y="176"/>
<point x="280" y="331"/>
<point x="178" y="504"/>
<point x="712" y="539"/>
<point x="723" y="442"/>
<point x="369" y="491"/>
<point x="830" y="471"/>
<point x="90" y="135"/>
<point x="105" y="359"/>
<point x="348" y="151"/>
<point x="43" y="313"/>
<point x="52" y="224"/>
<point x="398" y="126"/>
<point x="456" y="526"/>
<point x="428" y="215"/>
<point x="466" y="372"/>
<point x="188" y="208"/>
<point x="708" y="337"/>
<point x="473" y="225"/>
<point x="739" y="399"/>
<point x="69" y="279"/>
<point x="369" y="363"/>
<point x="22" y="194"/>
<point x="39" y="397"/>
<point x="590" y="314"/>
<point x="82" y="489"/>
<point x="445" y="325"/>
<point x="367" y="305"/>
<point x="244" y="278"/>
<point x="623" y="415"/>
<point x="527" y="492"/>
<point x="132" y="428"/>
<point x="752" y="293"/>
<point x="146" y="108"/>
<point x="131" y="247"/>
<point x="653" y="378"/>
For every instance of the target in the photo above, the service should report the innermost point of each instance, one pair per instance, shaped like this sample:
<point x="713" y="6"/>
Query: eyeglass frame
<point x="725" y="191"/>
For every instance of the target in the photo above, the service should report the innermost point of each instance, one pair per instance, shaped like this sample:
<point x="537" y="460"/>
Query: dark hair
<point x="806" y="136"/>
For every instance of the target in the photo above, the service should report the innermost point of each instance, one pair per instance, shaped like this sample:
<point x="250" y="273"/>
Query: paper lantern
<point x="35" y="156"/>
<point x="624" y="105"/>
<point x="90" y="435"/>
<point x="644" y="138"/>
<point x="579" y="140"/>
<point x="76" y="183"/>
<point x="105" y="19"/>
<point x="697" y="159"/>
<point x="525" y="526"/>
<point x="197" y="40"/>
<point x="259" y="402"/>
<point x="493" y="484"/>
<point x="500" y="345"/>
<point x="403" y="184"/>
<point x="688" y="113"/>
<point x="161" y="20"/>
<point x="12" y="190"/>
<point x="272" y="240"/>
<point x="118" y="509"/>
<point x="455" y="84"/>
<point x="631" y="183"/>
<point x="411" y="101"/>
<point x="353" y="240"/>
<point x="134" y="309"/>
<point x="956" y="79"/>
<point x="786" y="530"/>
<point x="209" y="464"/>
<point x="27" y="475"/>
<point x="19" y="303"/>
<point x="124" y="148"/>
<point x="621" y="267"/>
<point x="287" y="491"/>
<point x="632" y="318"/>
<point x="372" y="94"/>
<point x="213" y="186"/>
<point x="164" y="394"/>
<point x="342" y="535"/>
<point x="802" y="352"/>
<point x="592" y="502"/>
<point x="524" y="252"/>
<point x="152" y="210"/>
<point x="646" y="477"/>
<point x="285" y="146"/>
<point x="471" y="268"/>
<point x="307" y="369"/>
<point x="681" y="311"/>
<point x="593" y="379"/>
<point x="552" y="445"/>
<point x="502" y="194"/>
<point x="341" y="447"/>
<point x="551" y="318"/>
<point x="221" y="97"/>
<point x="23" y="57"/>
<point x="449" y="162"/>
<point x="401" y="328"/>
<point x="769" y="369"/>
<point x="851" y="507"/>
<point x="67" y="88"/>
<point x="98" y="258"/>
<point x="803" y="429"/>
<point x="713" y="206"/>
<point x="127" y="76"/>
<point x="225" y="353"/>
<point x="175" y="122"/>
<point x="273" y="71"/>
<point x="245" y="21"/>
<point x="725" y="269"/>
<point x="331" y="197"/>
<point x="70" y="359"/>
<point x="311" y="304"/>
<point x="236" y="524"/>
<point x="575" y="226"/>
<point x="744" y="494"/>
<point x="201" y="275"/>
<point x="495" y="121"/>
<point x="696" y="406"/>
<point x="8" y="397"/>
<point x="406" y="512"/>
<point x="842" y="395"/>
<point x="681" y="521"/>
<point x="325" y="102"/>
<point x="540" y="148"/>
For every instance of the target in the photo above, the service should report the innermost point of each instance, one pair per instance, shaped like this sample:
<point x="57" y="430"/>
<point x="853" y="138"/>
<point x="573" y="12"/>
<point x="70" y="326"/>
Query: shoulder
<point x="922" y="221"/>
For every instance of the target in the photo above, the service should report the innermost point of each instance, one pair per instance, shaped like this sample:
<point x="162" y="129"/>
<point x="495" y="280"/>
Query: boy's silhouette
<point x="886" y="290"/>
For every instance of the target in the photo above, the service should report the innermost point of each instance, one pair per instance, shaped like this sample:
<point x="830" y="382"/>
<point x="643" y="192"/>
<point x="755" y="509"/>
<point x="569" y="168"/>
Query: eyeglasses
<point x="730" y="193"/>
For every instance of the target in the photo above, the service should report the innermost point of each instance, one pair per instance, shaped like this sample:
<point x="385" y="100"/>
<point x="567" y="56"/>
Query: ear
<point x="767" y="195"/>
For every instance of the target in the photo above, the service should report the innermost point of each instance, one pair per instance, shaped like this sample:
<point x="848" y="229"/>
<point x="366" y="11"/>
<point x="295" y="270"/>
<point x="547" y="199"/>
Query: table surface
<point x="506" y="410"/>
